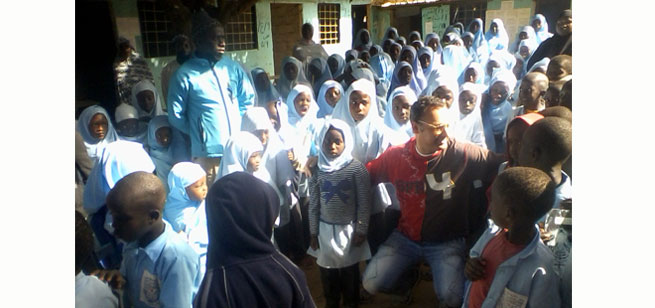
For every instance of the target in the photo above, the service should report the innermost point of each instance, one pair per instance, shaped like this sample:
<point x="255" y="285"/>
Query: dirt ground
<point x="422" y="294"/>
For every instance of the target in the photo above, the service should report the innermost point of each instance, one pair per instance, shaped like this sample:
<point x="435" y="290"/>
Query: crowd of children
<point x="453" y="151"/>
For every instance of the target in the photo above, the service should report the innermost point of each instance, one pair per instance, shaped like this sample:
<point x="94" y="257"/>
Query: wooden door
<point x="286" y="20"/>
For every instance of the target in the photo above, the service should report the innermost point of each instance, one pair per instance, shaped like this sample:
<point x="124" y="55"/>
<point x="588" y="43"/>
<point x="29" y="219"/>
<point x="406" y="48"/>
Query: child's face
<point x="365" y="37"/>
<point x="494" y="28"/>
<point x="394" y="52"/>
<point x="434" y="43"/>
<point x="425" y="60"/>
<point x="290" y="71"/>
<point x="146" y="100"/>
<point x="524" y="51"/>
<point x="332" y="96"/>
<point x="333" y="144"/>
<point x="401" y="109"/>
<point x="373" y="51"/>
<point x="536" y="24"/>
<point x="198" y="190"/>
<point x="314" y="73"/>
<point x="253" y="162"/>
<point x="302" y="102"/>
<point x="261" y="82"/>
<point x="471" y="75"/>
<point x="499" y="208"/>
<point x="130" y="222"/>
<point x="128" y="127"/>
<point x="407" y="56"/>
<point x="405" y="75"/>
<point x="474" y="27"/>
<point x="360" y="104"/>
<point x="416" y="45"/>
<point x="529" y="94"/>
<point x="163" y="135"/>
<point x="262" y="134"/>
<point x="444" y="94"/>
<point x="98" y="126"/>
<point x="523" y="35"/>
<point x="333" y="64"/>
<point x="514" y="137"/>
<point x="468" y="41"/>
<point x="365" y="56"/>
<point x="498" y="92"/>
<point x="555" y="71"/>
<point x="467" y="101"/>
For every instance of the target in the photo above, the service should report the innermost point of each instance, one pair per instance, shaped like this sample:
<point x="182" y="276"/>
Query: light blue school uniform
<point x="206" y="102"/>
<point x="529" y="275"/>
<point x="163" y="274"/>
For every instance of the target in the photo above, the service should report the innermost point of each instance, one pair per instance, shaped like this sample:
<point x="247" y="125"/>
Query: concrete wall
<point x="380" y="20"/>
<point x="435" y="19"/>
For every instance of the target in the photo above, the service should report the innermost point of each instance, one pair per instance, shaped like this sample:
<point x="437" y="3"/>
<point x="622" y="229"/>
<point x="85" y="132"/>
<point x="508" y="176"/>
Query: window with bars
<point x="328" y="22"/>
<point x="466" y="12"/>
<point x="155" y="26"/>
<point x="241" y="31"/>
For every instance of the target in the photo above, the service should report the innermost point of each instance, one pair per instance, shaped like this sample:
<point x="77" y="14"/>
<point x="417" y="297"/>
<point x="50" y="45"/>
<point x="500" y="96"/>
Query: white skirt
<point x="335" y="246"/>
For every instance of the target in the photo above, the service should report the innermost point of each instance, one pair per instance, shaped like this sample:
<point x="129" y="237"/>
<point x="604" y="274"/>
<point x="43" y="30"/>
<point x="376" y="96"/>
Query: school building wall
<point x="127" y="25"/>
<point x="514" y="13"/>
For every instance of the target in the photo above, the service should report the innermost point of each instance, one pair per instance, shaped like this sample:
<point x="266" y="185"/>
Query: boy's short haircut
<point x="539" y="78"/>
<point x="422" y="104"/>
<point x="141" y="189"/>
<point x="552" y="137"/>
<point x="565" y="61"/>
<point x="200" y="23"/>
<point x="83" y="240"/>
<point x="530" y="191"/>
<point x="307" y="30"/>
<point x="558" y="111"/>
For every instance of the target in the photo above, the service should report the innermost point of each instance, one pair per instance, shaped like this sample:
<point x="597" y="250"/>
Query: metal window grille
<point x="155" y="26"/>
<point x="467" y="12"/>
<point x="328" y="22"/>
<point x="241" y="31"/>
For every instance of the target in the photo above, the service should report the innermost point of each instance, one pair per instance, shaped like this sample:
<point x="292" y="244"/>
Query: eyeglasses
<point x="437" y="128"/>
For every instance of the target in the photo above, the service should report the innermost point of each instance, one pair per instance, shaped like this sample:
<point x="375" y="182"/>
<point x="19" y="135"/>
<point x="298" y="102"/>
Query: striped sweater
<point x="340" y="197"/>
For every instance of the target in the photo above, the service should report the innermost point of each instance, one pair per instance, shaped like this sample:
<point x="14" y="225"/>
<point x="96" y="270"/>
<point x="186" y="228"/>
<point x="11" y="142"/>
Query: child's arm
<point x="474" y="269"/>
<point x="377" y="169"/>
<point x="314" y="202"/>
<point x="363" y="190"/>
<point x="113" y="277"/>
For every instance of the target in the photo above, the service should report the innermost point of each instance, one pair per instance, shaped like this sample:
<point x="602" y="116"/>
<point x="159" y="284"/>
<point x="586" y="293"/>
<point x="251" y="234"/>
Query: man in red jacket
<point x="440" y="184"/>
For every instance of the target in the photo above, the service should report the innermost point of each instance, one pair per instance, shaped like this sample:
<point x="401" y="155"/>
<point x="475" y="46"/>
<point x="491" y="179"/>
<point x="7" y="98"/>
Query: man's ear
<point x="154" y="215"/>
<point x="414" y="127"/>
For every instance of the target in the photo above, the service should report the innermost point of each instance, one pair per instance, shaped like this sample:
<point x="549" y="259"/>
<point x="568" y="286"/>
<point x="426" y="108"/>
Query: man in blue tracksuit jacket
<point x="208" y="94"/>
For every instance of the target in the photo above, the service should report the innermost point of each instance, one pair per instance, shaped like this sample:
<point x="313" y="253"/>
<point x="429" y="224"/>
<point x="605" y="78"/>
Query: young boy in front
<point x="159" y="268"/>
<point x="509" y="266"/>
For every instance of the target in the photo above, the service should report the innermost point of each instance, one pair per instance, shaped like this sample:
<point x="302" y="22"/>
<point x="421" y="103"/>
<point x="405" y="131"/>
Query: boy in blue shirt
<point x="509" y="266"/>
<point x="159" y="268"/>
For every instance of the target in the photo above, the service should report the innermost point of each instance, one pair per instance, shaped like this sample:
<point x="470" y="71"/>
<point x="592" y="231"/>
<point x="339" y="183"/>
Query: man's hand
<point x="113" y="277"/>
<point x="314" y="242"/>
<point x="358" y="239"/>
<point x="474" y="269"/>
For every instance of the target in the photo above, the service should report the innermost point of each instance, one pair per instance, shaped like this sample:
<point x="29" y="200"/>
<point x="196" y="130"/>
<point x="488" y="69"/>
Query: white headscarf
<point x="156" y="109"/>
<point x="179" y="206"/>
<point x="543" y="33"/>
<point x="295" y="119"/>
<point x="500" y="40"/>
<point x="468" y="127"/>
<point x="324" y="108"/>
<point x="161" y="156"/>
<point x="405" y="129"/>
<point x="238" y="150"/>
<point x="531" y="40"/>
<point x="368" y="133"/>
<point x="94" y="146"/>
<point x="456" y="57"/>
<point x="333" y="164"/>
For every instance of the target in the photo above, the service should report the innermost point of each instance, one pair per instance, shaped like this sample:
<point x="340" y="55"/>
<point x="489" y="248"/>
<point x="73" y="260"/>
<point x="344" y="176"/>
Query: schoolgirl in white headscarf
<point x="404" y="129"/>
<point x="531" y="39"/>
<point x="498" y="40"/>
<point x="283" y="83"/>
<point x="542" y="33"/>
<point x="447" y="80"/>
<point x="133" y="130"/>
<point x="437" y="53"/>
<point x="302" y="125"/>
<point x="94" y="145"/>
<point x="239" y="149"/>
<point x="455" y="55"/>
<point x="496" y="115"/>
<point x="480" y="45"/>
<point x="416" y="65"/>
<point x="325" y="109"/>
<point x="468" y="124"/>
<point x="395" y="80"/>
<point x="160" y="148"/>
<point x="479" y="75"/>
<point x="146" y="85"/>
<point x="370" y="134"/>
<point x="433" y="61"/>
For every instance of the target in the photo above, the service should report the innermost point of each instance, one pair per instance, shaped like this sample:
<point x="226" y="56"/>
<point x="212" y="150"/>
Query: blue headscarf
<point x="456" y="57"/>
<point x="285" y="85"/>
<point x="500" y="40"/>
<point x="94" y="147"/>
<point x="353" y="53"/>
<point x="341" y="65"/>
<point x="428" y="51"/>
<point x="495" y="117"/>
<point x="238" y="150"/>
<point x="404" y="130"/>
<point x="387" y="34"/>
<point x="428" y="38"/>
<point x="357" y="42"/>
<point x="383" y="67"/>
<point x="266" y="94"/>
<point x="395" y="81"/>
<point x="480" y="45"/>
<point x="416" y="66"/>
<point x="543" y="33"/>
<point x="117" y="160"/>
<point x="321" y="65"/>
<point x="161" y="156"/>
<point x="478" y="69"/>
<point x="324" y="108"/>
<point x="531" y="40"/>
<point x="125" y="112"/>
<point x="179" y="207"/>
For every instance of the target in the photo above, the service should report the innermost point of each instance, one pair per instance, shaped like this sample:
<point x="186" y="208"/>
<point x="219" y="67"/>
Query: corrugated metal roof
<point x="387" y="3"/>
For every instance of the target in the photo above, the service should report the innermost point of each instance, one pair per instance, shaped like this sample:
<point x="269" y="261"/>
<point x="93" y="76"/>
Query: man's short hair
<point x="424" y="103"/>
<point x="530" y="191"/>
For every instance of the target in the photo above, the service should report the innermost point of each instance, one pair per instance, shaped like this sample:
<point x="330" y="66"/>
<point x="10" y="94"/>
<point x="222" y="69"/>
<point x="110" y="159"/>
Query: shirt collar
<point x="154" y="249"/>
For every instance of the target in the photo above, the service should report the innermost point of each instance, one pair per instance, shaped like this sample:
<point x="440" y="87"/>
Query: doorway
<point x="360" y="21"/>
<point x="286" y="20"/>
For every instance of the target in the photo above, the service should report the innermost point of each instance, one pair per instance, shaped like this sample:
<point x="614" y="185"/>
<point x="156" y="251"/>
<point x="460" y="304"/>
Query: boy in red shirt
<point x="439" y="183"/>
